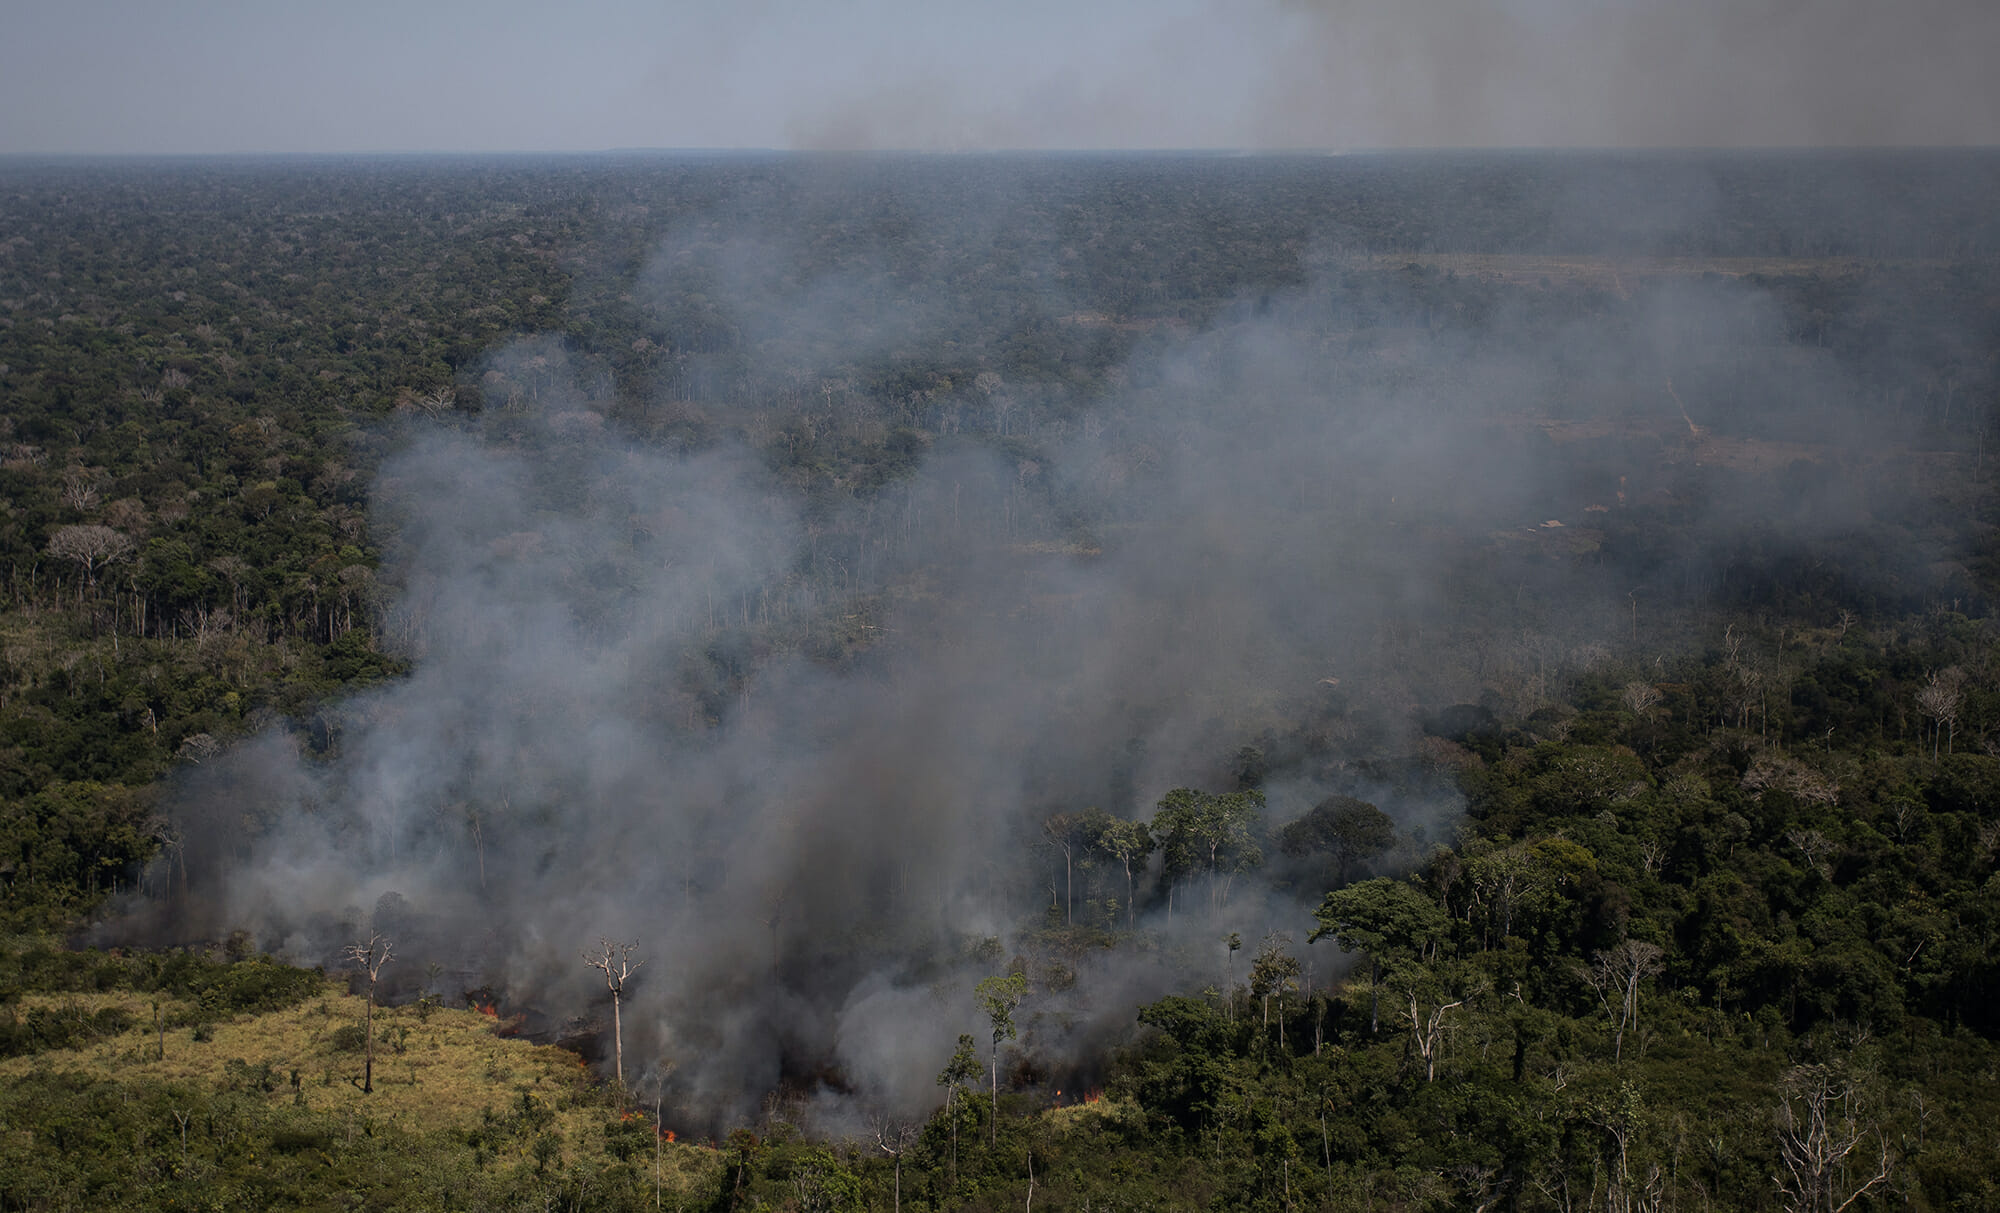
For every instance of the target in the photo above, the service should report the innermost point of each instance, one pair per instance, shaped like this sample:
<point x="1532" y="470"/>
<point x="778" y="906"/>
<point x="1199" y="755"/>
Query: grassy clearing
<point x="434" y="1068"/>
<point x="264" y="1110"/>
<point x="1096" y="1112"/>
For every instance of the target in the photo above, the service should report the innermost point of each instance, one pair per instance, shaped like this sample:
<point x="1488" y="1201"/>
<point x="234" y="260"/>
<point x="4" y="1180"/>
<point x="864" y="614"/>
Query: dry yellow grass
<point x="1078" y="1115"/>
<point x="435" y="1070"/>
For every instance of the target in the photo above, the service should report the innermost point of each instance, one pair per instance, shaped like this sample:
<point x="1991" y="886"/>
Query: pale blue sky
<point x="192" y="76"/>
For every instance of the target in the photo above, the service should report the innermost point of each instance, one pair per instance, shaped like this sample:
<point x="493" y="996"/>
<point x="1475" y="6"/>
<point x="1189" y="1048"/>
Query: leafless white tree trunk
<point x="1818" y="1130"/>
<point x="369" y="957"/>
<point x="1621" y="970"/>
<point x="1940" y="698"/>
<point x="614" y="960"/>
<point x="894" y="1137"/>
<point x="1427" y="1032"/>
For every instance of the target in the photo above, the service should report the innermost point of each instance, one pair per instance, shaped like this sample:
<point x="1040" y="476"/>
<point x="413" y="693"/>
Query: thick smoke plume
<point x="801" y="752"/>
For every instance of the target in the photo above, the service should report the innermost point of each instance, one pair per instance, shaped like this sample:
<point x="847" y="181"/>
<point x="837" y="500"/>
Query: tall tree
<point x="1073" y="834"/>
<point x="1940" y="699"/>
<point x="1200" y="830"/>
<point x="960" y="1072"/>
<point x="1130" y="843"/>
<point x="1615" y="975"/>
<point x="1350" y="831"/>
<point x="1388" y="920"/>
<point x="614" y="960"/>
<point x="1274" y="971"/>
<point x="894" y="1137"/>
<point x="370" y="957"/>
<point x="999" y="997"/>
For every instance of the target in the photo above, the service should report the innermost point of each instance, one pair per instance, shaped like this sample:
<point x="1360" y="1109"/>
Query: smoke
<point x="1033" y="74"/>
<point x="1275" y="74"/>
<point x="798" y="740"/>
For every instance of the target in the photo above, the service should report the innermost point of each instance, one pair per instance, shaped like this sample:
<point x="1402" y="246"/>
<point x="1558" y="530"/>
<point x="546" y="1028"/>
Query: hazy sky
<point x="361" y="75"/>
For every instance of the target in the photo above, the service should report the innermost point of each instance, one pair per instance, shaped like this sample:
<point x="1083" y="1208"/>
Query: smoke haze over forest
<point x="798" y="737"/>
<point x="1583" y="564"/>
<point x="1504" y="492"/>
<point x="109" y="76"/>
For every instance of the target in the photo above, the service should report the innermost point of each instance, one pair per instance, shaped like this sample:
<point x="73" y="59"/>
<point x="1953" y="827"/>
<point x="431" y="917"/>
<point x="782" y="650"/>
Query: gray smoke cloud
<point x="506" y="75"/>
<point x="1334" y="74"/>
<point x="801" y="751"/>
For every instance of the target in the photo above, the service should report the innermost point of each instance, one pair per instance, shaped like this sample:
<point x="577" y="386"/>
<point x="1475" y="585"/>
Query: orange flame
<point x="489" y="1010"/>
<point x="1092" y="1096"/>
<point x="670" y="1135"/>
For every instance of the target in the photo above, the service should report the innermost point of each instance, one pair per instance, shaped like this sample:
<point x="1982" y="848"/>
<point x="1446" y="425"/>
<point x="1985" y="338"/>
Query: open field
<point x="436" y="1069"/>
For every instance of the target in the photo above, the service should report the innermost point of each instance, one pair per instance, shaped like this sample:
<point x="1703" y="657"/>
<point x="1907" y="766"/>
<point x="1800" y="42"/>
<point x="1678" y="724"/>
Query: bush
<point x="69" y="1026"/>
<point x="349" y="1039"/>
<point x="299" y="1141"/>
<point x="624" y="1138"/>
<point x="258" y="985"/>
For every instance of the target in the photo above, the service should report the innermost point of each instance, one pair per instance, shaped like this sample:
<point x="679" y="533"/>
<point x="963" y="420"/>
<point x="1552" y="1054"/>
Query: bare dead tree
<point x="1642" y="697"/>
<point x="1818" y="1130"/>
<point x="1939" y="699"/>
<point x="198" y="748"/>
<point x="1652" y="853"/>
<point x="80" y="487"/>
<point x="1616" y="974"/>
<point x="614" y="960"/>
<point x="91" y="546"/>
<point x="1479" y="1187"/>
<point x="893" y="1137"/>
<point x="369" y="957"/>
<point x="1427" y="1033"/>
<point x="1789" y="775"/>
<point x="1637" y="960"/>
<point x="1815" y="846"/>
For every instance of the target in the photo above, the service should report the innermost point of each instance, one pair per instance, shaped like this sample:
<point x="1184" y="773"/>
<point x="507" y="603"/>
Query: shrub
<point x="246" y="1077"/>
<point x="299" y="1141"/>
<point x="350" y="1038"/>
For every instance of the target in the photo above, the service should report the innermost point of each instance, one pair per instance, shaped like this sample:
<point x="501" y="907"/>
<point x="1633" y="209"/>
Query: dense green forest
<point x="1665" y="876"/>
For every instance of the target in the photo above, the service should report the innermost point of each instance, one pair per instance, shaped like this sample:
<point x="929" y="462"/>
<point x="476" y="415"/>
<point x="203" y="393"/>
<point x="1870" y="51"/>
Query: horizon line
<point x="949" y="153"/>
